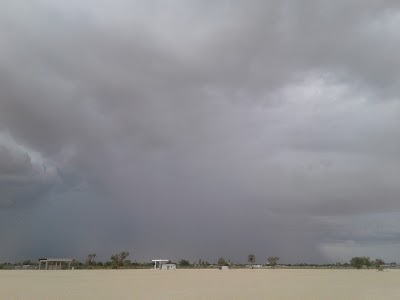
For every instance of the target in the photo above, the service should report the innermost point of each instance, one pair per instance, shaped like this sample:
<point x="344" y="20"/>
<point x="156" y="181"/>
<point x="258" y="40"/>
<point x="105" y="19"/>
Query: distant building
<point x="27" y="267"/>
<point x="158" y="263"/>
<point x="224" y="268"/>
<point x="168" y="267"/>
<point x="254" y="266"/>
<point x="55" y="263"/>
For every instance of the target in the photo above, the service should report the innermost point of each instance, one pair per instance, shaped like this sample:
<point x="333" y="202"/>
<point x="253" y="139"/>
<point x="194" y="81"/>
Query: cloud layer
<point x="199" y="129"/>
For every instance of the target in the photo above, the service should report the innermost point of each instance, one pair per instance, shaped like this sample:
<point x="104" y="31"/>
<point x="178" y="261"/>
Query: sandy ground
<point x="200" y="284"/>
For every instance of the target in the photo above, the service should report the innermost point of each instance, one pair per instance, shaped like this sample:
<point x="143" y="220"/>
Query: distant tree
<point x="74" y="262"/>
<point x="367" y="262"/>
<point x="127" y="263"/>
<point x="117" y="259"/>
<point x="222" y="262"/>
<point x="90" y="259"/>
<point x="358" y="262"/>
<point x="114" y="261"/>
<point x="205" y="263"/>
<point x="184" y="263"/>
<point x="251" y="258"/>
<point x="378" y="262"/>
<point x="273" y="261"/>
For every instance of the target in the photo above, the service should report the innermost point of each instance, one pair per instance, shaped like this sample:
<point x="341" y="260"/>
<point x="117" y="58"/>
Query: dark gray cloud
<point x="21" y="179"/>
<point x="199" y="129"/>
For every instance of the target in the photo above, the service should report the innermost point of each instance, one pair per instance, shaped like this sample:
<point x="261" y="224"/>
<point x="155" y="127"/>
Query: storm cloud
<point x="200" y="129"/>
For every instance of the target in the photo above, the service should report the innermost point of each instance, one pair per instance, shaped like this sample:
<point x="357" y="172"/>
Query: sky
<point x="200" y="129"/>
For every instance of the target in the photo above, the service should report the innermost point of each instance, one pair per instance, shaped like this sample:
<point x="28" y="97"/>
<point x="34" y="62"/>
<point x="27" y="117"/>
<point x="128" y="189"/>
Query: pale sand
<point x="200" y="284"/>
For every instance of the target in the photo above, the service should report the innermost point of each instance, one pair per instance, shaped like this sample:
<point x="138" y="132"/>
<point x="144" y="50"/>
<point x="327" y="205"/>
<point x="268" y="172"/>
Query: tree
<point x="222" y="262"/>
<point x="127" y="263"/>
<point x="273" y="261"/>
<point x="378" y="262"/>
<point x="184" y="263"/>
<point x="367" y="262"/>
<point x="358" y="262"/>
<point x="118" y="259"/>
<point x="90" y="259"/>
<point x="251" y="258"/>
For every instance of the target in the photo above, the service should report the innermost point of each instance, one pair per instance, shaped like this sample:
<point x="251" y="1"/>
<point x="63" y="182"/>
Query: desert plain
<point x="200" y="284"/>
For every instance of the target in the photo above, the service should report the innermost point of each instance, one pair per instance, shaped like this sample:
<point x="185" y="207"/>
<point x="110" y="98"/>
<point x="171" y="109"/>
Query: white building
<point x="168" y="267"/>
<point x="158" y="263"/>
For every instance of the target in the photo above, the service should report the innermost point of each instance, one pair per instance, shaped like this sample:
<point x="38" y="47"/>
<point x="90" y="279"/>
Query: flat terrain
<point x="200" y="284"/>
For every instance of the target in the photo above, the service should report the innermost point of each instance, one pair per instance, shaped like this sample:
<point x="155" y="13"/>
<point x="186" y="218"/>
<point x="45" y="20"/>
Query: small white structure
<point x="224" y="268"/>
<point x="54" y="263"/>
<point x="388" y="267"/>
<point x="254" y="266"/>
<point x="160" y="262"/>
<point x="168" y="267"/>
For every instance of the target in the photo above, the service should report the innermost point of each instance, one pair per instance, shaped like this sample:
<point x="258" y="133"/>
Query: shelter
<point x="168" y="267"/>
<point x="160" y="263"/>
<point x="224" y="268"/>
<point x="55" y="263"/>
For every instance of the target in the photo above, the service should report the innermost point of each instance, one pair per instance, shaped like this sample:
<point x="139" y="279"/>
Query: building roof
<point x="160" y="260"/>
<point x="56" y="259"/>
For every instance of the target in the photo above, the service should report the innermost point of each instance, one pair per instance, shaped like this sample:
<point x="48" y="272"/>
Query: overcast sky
<point x="200" y="129"/>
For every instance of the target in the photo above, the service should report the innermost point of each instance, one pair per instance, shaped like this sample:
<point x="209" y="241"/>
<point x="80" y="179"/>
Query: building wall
<point x="168" y="267"/>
